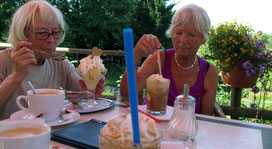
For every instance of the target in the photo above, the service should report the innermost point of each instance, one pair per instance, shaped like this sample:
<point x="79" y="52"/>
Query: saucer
<point x="167" y="116"/>
<point x="20" y="114"/>
<point x="90" y="105"/>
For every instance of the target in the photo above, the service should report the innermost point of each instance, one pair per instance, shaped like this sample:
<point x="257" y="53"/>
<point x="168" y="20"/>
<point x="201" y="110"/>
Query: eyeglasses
<point x="45" y="35"/>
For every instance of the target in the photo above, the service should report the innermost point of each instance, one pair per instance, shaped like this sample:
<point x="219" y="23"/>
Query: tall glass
<point x="157" y="89"/>
<point x="91" y="81"/>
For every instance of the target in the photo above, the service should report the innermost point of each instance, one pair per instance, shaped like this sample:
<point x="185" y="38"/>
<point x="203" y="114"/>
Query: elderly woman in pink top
<point x="189" y="29"/>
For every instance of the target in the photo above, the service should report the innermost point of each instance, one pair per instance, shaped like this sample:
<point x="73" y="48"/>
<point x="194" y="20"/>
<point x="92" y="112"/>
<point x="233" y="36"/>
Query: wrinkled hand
<point x="22" y="56"/>
<point x="100" y="87"/>
<point x="147" y="44"/>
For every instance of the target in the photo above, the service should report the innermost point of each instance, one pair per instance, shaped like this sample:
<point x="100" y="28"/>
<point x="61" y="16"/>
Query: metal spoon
<point x="32" y="88"/>
<point x="55" y="56"/>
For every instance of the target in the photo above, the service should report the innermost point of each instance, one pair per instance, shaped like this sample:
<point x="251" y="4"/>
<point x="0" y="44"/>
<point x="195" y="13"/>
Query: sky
<point x="249" y="12"/>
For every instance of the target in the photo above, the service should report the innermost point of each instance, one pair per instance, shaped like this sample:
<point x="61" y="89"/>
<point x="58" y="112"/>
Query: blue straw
<point x="132" y="88"/>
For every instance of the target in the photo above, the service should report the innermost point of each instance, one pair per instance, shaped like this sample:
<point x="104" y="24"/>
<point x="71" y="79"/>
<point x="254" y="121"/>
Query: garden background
<point x="100" y="22"/>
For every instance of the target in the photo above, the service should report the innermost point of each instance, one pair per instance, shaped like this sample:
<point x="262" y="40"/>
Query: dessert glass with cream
<point x="157" y="89"/>
<point x="92" y="69"/>
<point x="118" y="133"/>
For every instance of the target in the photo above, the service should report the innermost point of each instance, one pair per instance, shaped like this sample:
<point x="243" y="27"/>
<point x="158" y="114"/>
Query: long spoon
<point x="159" y="61"/>
<point x="186" y="90"/>
<point x="55" y="56"/>
<point x="32" y="88"/>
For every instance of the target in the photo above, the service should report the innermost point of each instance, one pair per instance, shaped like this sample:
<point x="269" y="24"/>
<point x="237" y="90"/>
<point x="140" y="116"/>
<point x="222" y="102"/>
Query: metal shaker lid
<point x="181" y="98"/>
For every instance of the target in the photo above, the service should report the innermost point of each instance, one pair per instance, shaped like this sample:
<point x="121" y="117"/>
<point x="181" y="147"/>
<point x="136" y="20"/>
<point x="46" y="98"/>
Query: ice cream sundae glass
<point x="92" y="69"/>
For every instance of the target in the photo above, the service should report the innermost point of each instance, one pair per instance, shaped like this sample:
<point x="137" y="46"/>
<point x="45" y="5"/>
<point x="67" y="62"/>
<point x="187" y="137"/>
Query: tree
<point x="97" y="22"/>
<point x="100" y="22"/>
<point x="153" y="17"/>
<point x="7" y="8"/>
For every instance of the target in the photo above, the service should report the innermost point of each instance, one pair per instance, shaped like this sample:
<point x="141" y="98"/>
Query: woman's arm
<point x="7" y="88"/>
<point x="21" y="57"/>
<point x="148" y="44"/>
<point x="210" y="88"/>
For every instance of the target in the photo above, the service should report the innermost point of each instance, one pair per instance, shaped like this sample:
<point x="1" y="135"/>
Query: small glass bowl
<point x="76" y="96"/>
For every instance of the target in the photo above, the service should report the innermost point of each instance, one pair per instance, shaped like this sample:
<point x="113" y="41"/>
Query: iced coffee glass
<point x="106" y="143"/>
<point x="157" y="89"/>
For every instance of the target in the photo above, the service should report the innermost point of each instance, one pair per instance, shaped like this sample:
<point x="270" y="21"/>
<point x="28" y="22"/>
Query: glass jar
<point x="183" y="119"/>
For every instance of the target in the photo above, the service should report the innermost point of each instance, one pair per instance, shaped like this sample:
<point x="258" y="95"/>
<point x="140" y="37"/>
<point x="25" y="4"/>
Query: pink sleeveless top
<point x="196" y="90"/>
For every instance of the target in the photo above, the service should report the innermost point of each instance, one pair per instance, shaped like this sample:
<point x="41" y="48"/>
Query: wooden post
<point x="235" y="101"/>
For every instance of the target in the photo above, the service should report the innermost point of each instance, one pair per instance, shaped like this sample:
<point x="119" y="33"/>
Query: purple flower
<point x="257" y="54"/>
<point x="261" y="66"/>
<point x="257" y="43"/>
<point x="255" y="90"/>
<point x="247" y="38"/>
<point x="253" y="106"/>
<point x="253" y="71"/>
<point x="247" y="65"/>
<point x="248" y="73"/>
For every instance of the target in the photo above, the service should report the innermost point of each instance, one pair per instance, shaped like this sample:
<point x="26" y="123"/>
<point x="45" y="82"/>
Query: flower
<point x="231" y="43"/>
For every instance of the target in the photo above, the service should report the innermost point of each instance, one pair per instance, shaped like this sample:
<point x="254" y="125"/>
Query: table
<point x="214" y="132"/>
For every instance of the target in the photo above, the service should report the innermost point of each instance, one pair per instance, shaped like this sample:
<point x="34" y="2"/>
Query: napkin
<point x="84" y="135"/>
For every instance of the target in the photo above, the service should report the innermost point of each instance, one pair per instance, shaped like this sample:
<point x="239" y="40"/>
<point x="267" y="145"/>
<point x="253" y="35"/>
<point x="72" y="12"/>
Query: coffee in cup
<point x="20" y="132"/>
<point x="24" y="135"/>
<point x="48" y="102"/>
<point x="157" y="89"/>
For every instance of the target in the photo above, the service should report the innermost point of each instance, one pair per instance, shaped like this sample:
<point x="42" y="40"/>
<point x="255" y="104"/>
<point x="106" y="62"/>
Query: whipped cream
<point x="119" y="129"/>
<point x="157" y="81"/>
<point x="89" y="63"/>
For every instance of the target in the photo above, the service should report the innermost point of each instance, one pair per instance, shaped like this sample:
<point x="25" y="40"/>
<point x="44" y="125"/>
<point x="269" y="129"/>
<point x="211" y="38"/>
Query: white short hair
<point x="185" y="14"/>
<point x="25" y="15"/>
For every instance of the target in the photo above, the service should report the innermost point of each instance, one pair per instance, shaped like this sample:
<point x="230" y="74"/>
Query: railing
<point x="235" y="109"/>
<point x="76" y="50"/>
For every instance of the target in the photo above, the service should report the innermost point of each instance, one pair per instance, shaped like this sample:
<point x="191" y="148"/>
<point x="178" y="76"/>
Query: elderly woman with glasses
<point x="36" y="26"/>
<point x="189" y="29"/>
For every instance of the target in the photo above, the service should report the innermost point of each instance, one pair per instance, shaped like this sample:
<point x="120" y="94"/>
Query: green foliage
<point x="267" y="39"/>
<point x="109" y="91"/>
<point x="96" y="23"/>
<point x="7" y="8"/>
<point x="223" y="93"/>
<point x="113" y="74"/>
<point x="153" y="17"/>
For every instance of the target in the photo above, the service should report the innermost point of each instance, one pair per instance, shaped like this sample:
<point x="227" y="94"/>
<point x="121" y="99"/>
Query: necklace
<point x="186" y="68"/>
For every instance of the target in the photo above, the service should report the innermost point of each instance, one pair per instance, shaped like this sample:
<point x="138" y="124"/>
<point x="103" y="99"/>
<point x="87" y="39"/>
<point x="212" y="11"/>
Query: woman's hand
<point x="22" y="57"/>
<point x="100" y="87"/>
<point x="147" y="44"/>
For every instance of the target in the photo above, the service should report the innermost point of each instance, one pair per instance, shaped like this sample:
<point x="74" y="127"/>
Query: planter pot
<point x="237" y="78"/>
